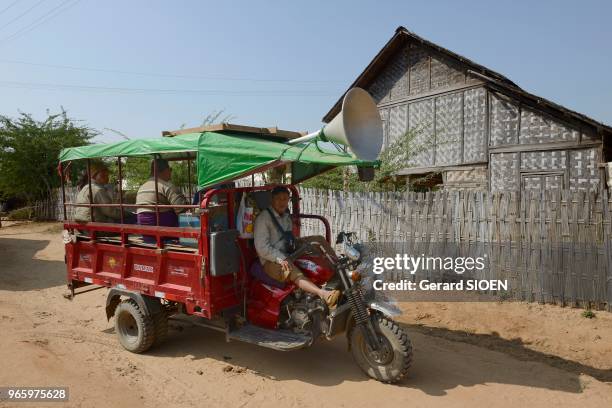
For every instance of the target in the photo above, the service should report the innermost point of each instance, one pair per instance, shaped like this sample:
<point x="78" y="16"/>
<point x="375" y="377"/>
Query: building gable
<point x="411" y="65"/>
<point x="431" y="67"/>
<point x="467" y="121"/>
<point x="414" y="70"/>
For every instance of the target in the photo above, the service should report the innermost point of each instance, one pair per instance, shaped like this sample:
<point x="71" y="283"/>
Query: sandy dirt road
<point x="46" y="340"/>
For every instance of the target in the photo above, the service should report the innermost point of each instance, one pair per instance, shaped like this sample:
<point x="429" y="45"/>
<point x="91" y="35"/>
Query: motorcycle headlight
<point x="351" y="253"/>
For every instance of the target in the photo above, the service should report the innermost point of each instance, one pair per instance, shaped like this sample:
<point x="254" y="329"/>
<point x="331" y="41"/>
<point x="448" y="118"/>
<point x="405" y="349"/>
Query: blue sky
<point x="276" y="63"/>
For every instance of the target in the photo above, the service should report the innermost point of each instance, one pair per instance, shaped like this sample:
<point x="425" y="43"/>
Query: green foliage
<point x="29" y="151"/>
<point x="213" y="118"/>
<point x="21" y="214"/>
<point x="588" y="314"/>
<point x="398" y="155"/>
<point x="180" y="173"/>
<point x="332" y="179"/>
<point x="136" y="170"/>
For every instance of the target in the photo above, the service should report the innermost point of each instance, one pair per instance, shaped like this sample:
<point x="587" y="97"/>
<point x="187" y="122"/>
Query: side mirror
<point x="340" y="237"/>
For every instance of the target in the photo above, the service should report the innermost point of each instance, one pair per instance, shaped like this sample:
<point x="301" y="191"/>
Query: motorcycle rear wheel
<point x="391" y="363"/>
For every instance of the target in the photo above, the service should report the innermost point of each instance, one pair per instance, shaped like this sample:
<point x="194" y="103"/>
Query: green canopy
<point x="224" y="156"/>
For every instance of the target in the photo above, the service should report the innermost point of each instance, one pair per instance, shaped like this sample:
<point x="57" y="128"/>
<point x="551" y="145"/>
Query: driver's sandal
<point x="332" y="298"/>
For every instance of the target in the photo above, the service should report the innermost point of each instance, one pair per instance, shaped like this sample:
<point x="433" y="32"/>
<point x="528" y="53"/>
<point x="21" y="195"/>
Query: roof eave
<point x="400" y="37"/>
<point x="538" y="102"/>
<point x="388" y="47"/>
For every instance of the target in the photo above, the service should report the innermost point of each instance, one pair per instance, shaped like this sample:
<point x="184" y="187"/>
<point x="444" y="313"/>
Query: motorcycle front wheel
<point x="393" y="359"/>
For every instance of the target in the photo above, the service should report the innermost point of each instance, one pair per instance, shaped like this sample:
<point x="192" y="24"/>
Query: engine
<point x="302" y="313"/>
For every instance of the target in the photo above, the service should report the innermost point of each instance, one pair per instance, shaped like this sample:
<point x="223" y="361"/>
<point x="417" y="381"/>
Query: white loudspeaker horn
<point x="358" y="126"/>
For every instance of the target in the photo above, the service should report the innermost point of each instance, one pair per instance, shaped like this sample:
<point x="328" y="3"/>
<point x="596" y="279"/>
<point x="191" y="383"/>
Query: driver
<point x="271" y="246"/>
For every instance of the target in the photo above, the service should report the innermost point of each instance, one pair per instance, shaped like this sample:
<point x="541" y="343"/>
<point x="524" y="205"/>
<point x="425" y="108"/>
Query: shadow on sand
<point x="514" y="348"/>
<point x="444" y="360"/>
<point x="20" y="271"/>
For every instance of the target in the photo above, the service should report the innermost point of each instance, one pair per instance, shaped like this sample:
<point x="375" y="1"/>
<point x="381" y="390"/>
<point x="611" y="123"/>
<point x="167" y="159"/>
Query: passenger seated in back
<point x="168" y="194"/>
<point x="99" y="194"/>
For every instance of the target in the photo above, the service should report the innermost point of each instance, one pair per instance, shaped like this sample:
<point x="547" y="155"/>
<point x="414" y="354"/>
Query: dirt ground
<point x="476" y="354"/>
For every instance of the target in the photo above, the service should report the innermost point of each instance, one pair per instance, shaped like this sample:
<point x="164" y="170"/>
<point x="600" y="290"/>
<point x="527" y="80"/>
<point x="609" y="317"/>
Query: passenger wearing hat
<point x="168" y="194"/>
<point x="99" y="194"/>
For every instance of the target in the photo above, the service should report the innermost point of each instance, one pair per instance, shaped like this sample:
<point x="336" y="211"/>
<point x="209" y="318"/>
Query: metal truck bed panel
<point x="175" y="276"/>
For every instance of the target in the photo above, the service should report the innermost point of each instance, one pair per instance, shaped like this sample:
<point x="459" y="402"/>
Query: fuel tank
<point x="316" y="268"/>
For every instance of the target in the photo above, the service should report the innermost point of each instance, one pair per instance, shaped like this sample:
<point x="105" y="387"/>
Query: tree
<point x="29" y="151"/>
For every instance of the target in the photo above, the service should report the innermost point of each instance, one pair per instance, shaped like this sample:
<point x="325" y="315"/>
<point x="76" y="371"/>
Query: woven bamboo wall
<point x="458" y="121"/>
<point x="474" y="125"/>
<point x="504" y="171"/>
<point x="553" y="246"/>
<point x="514" y="124"/>
<point x="504" y="120"/>
<point x="470" y="178"/>
<point x="421" y="121"/>
<point x="536" y="128"/>
<point x="414" y="71"/>
<point x="398" y="123"/>
<point x="418" y="61"/>
<point x="449" y="129"/>
<point x="583" y="170"/>
<point x="563" y="169"/>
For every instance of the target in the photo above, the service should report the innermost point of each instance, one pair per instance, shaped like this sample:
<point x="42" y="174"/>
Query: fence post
<point x="607" y="236"/>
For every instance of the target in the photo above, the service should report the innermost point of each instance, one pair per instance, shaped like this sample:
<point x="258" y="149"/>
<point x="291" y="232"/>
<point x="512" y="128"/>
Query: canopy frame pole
<point x="120" y="188"/>
<point x="61" y="170"/>
<point x="91" y="212"/>
<point x="155" y="157"/>
<point x="189" y="177"/>
<point x="309" y="137"/>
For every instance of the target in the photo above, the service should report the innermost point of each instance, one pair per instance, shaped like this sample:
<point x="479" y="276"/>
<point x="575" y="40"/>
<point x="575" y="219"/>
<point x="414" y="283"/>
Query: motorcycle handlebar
<point x="297" y="253"/>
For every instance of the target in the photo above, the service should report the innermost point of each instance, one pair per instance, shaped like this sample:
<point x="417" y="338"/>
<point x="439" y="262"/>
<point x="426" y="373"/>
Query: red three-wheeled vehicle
<point x="207" y="267"/>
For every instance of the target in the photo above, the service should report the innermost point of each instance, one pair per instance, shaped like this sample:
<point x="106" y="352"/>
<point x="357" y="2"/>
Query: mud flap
<point x="386" y="308"/>
<point x="389" y="309"/>
<point x="147" y="303"/>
